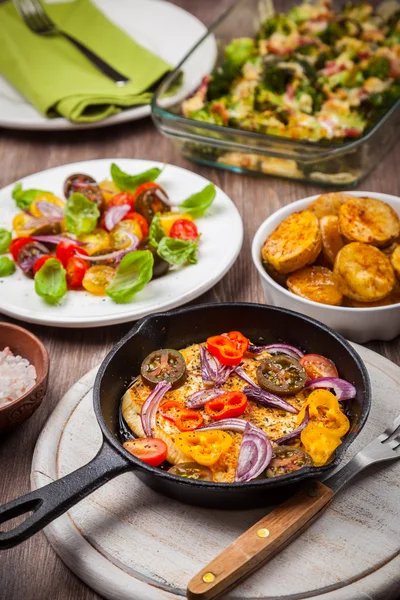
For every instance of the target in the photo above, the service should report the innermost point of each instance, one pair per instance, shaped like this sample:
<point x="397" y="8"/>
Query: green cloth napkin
<point x="58" y="80"/>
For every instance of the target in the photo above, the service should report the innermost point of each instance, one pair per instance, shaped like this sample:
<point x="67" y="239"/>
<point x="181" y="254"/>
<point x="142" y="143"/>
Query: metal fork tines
<point x="38" y="21"/>
<point x="384" y="448"/>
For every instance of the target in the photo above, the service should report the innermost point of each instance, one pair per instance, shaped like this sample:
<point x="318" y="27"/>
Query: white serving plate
<point x="165" y="29"/>
<point x="222" y="223"/>
<point x="357" y="324"/>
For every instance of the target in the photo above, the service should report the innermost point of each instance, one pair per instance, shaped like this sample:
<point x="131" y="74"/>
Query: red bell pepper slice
<point x="184" y="419"/>
<point x="224" y="350"/>
<point x="231" y="404"/>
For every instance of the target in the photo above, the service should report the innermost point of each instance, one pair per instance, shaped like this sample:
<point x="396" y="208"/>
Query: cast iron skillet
<point x="177" y="329"/>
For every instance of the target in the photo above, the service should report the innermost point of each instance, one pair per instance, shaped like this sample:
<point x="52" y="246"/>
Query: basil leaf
<point x="176" y="252"/>
<point x="129" y="183"/>
<point x="81" y="214"/>
<point x="134" y="271"/>
<point x="7" y="266"/>
<point x="50" y="281"/>
<point x="156" y="231"/>
<point x="5" y="239"/>
<point x="197" y="204"/>
<point x="24" y="199"/>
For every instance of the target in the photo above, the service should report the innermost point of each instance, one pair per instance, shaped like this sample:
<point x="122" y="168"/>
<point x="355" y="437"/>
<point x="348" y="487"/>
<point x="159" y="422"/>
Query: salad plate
<point x="180" y="285"/>
<point x="170" y="35"/>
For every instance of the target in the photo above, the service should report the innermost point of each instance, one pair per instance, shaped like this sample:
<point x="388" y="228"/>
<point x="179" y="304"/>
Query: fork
<point x="281" y="526"/>
<point x="34" y="16"/>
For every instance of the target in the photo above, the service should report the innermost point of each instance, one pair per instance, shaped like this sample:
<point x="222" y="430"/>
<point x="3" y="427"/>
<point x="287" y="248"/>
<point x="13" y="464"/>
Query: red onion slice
<point x="277" y="349"/>
<point x="26" y="265"/>
<point x="114" y="215"/>
<point x="255" y="454"/>
<point x="50" y="210"/>
<point x="243" y="375"/>
<point x="344" y="390"/>
<point x="259" y="395"/>
<point x="236" y="425"/>
<point x="212" y="372"/>
<point x="149" y="408"/>
<point x="200" y="398"/>
<point x="56" y="239"/>
<point x="296" y="432"/>
<point x="37" y="222"/>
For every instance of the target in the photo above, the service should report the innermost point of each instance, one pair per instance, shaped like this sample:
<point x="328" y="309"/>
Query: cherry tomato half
<point x="183" y="229"/>
<point x="152" y="451"/>
<point x="317" y="366"/>
<point x="146" y="186"/>
<point x="40" y="262"/>
<point x="121" y="199"/>
<point x="140" y="220"/>
<point x="66" y="250"/>
<point x="76" y="269"/>
<point x="16" y="245"/>
<point x="97" y="279"/>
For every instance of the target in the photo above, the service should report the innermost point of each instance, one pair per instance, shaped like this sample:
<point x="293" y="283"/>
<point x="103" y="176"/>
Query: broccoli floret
<point x="277" y="23"/>
<point x="266" y="99"/>
<point x="378" y="66"/>
<point x="374" y="107"/>
<point x="276" y="78"/>
<point x="206" y="116"/>
<point x="334" y="31"/>
<point x="308" y="50"/>
<point x="239" y="51"/>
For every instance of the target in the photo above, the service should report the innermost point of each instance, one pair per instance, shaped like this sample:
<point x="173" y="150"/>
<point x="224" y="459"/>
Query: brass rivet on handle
<point x="208" y="577"/>
<point x="263" y="533"/>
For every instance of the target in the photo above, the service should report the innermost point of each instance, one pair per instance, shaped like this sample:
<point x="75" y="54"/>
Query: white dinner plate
<point x="220" y="243"/>
<point x="165" y="29"/>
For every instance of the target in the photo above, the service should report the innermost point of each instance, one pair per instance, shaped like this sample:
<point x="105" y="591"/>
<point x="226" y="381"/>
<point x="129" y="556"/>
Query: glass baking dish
<point x="330" y="163"/>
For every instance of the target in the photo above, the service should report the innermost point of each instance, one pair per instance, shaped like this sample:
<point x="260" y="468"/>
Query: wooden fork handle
<point x="260" y="543"/>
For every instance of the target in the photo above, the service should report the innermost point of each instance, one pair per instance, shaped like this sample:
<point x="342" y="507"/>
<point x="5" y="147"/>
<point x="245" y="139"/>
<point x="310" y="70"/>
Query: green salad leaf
<point x="129" y="183"/>
<point x="50" y="281"/>
<point x="134" y="271"/>
<point x="24" y="199"/>
<point x="176" y="252"/>
<point x="5" y="239"/>
<point x="156" y="231"/>
<point x="7" y="266"/>
<point x="81" y="214"/>
<point x="197" y="204"/>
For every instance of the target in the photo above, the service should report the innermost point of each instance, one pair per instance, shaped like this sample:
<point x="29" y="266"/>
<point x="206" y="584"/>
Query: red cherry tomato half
<point x="317" y="366"/>
<point x="66" y="250"/>
<point x="146" y="186"/>
<point x="152" y="451"/>
<point x="76" y="269"/>
<point x="134" y="216"/>
<point x="40" y="262"/>
<point x="121" y="199"/>
<point x="18" y="243"/>
<point x="183" y="229"/>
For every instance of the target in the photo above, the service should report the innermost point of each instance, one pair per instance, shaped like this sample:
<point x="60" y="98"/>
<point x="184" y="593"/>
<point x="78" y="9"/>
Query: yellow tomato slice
<point x="205" y="447"/>
<point x="45" y="197"/>
<point x="119" y="239"/>
<point x="324" y="409"/>
<point x="168" y="219"/>
<point x="19" y="224"/>
<point x="109" y="189"/>
<point x="97" y="279"/>
<point x="319" y="442"/>
<point x="96" y="242"/>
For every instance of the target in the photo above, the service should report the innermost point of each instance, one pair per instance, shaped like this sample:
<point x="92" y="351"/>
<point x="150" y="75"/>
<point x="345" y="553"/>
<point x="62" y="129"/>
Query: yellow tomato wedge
<point x="109" y="189"/>
<point x="204" y="447"/>
<point x="167" y="219"/>
<point x="97" y="279"/>
<point x="45" y="197"/>
<point x="119" y="239"/>
<point x="96" y="242"/>
<point x="20" y="225"/>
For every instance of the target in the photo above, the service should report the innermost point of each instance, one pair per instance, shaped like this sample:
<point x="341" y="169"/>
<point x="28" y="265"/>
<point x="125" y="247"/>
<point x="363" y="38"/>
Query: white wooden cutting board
<point x="129" y="543"/>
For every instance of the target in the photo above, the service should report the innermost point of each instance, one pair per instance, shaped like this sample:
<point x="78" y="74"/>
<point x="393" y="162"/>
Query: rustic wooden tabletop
<point x="32" y="571"/>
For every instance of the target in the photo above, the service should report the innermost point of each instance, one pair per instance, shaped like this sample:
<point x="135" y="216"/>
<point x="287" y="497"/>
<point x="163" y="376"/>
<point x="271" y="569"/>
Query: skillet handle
<point x="52" y="500"/>
<point x="260" y="543"/>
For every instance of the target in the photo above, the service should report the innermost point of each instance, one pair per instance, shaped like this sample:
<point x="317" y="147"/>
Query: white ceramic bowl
<point x="357" y="324"/>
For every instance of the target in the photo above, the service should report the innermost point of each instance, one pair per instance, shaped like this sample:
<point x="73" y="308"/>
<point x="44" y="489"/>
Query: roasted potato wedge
<point x="328" y="204"/>
<point x="278" y="277"/>
<point x="395" y="260"/>
<point x="369" y="221"/>
<point x="317" y="284"/>
<point x="332" y="239"/>
<point x="392" y="298"/>
<point x="294" y="244"/>
<point x="363" y="272"/>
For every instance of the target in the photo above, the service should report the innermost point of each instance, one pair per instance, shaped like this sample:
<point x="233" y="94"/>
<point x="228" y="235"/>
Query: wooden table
<point x="32" y="571"/>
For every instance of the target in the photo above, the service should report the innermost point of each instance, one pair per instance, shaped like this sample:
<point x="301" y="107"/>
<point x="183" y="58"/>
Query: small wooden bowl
<point x="23" y="342"/>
